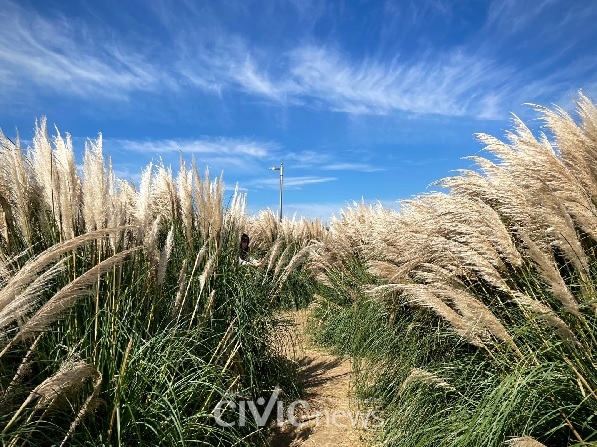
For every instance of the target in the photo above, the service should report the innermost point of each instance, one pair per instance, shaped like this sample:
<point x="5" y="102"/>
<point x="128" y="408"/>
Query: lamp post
<point x="281" y="169"/>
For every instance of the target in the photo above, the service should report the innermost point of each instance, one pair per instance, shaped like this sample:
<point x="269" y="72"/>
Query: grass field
<point x="125" y="316"/>
<point x="471" y="314"/>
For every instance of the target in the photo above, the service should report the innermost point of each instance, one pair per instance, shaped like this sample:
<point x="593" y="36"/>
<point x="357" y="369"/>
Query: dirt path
<point x="330" y="419"/>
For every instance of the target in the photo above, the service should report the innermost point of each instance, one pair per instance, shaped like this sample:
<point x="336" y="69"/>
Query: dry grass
<point x="506" y="259"/>
<point x="525" y="441"/>
<point x="531" y="204"/>
<point x="69" y="232"/>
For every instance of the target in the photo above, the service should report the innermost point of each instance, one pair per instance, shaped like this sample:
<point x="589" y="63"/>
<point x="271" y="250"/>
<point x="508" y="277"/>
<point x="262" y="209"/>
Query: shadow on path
<point x="326" y="381"/>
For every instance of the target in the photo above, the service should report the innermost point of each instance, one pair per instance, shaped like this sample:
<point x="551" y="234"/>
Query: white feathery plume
<point x="198" y="261"/>
<point x="150" y="241"/>
<point x="69" y="378"/>
<point x="550" y="274"/>
<point x="90" y="403"/>
<point x="547" y="314"/>
<point x="22" y="304"/>
<point x="184" y="183"/>
<point x="282" y="260"/>
<point x="210" y="267"/>
<point x="118" y="203"/>
<point x="524" y="441"/>
<point x="477" y="314"/>
<point x="44" y="170"/>
<point x="18" y="182"/>
<point x="143" y="210"/>
<point x="423" y="297"/>
<point x="274" y="252"/>
<point x="95" y="185"/>
<point x="295" y="262"/>
<point x="68" y="296"/>
<point x="3" y="227"/>
<point x="165" y="256"/>
<point x="164" y="199"/>
<point x="70" y="184"/>
<point x="34" y="266"/>
<point x="182" y="285"/>
<point x="418" y="375"/>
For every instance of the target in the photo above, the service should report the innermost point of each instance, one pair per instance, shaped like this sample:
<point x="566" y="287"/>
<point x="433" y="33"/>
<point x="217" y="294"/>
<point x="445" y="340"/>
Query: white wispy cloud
<point x="455" y="83"/>
<point x="511" y="16"/>
<point x="471" y="79"/>
<point x="214" y="65"/>
<point x="325" y="161"/>
<point x="291" y="182"/>
<point x="240" y="155"/>
<point x="450" y="84"/>
<point x="307" y="158"/>
<point x="219" y="146"/>
<point x="68" y="57"/>
<point x="251" y="80"/>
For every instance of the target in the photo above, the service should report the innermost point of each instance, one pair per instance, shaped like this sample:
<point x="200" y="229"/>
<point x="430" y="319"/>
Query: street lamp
<point x="281" y="169"/>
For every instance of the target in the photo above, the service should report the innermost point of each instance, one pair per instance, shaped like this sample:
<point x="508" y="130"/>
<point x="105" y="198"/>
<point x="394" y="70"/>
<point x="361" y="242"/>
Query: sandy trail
<point x="327" y="382"/>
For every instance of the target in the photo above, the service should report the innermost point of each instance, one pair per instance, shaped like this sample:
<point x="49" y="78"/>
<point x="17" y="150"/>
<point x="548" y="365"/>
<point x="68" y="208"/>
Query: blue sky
<point x="359" y="99"/>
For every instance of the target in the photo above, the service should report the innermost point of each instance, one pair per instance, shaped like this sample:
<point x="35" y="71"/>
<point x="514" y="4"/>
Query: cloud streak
<point x="219" y="153"/>
<point x="92" y="60"/>
<point x="220" y="146"/>
<point x="291" y="182"/>
<point x="479" y="78"/>
<point x="319" y="76"/>
<point x="59" y="54"/>
<point x="449" y="85"/>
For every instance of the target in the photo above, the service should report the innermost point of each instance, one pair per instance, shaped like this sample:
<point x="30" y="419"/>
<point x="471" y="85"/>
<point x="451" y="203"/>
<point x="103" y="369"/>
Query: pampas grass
<point x="143" y="203"/>
<point x="132" y="280"/>
<point x="97" y="186"/>
<point x="16" y="187"/>
<point x="184" y="185"/>
<point x="504" y="263"/>
<point x="33" y="267"/>
<point x="165" y="199"/>
<point x="165" y="256"/>
<point x="70" y="185"/>
<point x="68" y="295"/>
<point x="524" y="441"/>
<point x="23" y="303"/>
<point x="418" y="375"/>
<point x="67" y="379"/>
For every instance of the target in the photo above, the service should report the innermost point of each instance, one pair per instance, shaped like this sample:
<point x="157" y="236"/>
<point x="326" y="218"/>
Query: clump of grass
<point x="132" y="302"/>
<point x="500" y="273"/>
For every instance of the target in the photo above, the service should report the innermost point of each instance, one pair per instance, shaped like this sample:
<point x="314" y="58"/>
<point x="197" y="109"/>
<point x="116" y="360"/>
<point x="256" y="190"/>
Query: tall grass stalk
<point x="486" y="293"/>
<point x="132" y="302"/>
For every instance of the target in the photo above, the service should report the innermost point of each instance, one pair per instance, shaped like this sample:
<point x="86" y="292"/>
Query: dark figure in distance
<point x="244" y="256"/>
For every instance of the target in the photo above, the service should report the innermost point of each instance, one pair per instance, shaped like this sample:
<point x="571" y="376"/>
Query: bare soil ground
<point x="330" y="419"/>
